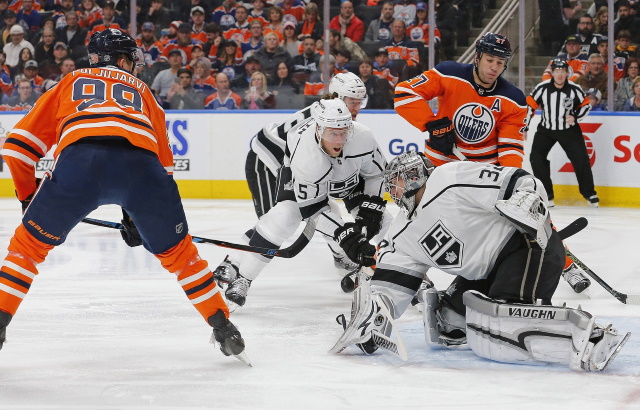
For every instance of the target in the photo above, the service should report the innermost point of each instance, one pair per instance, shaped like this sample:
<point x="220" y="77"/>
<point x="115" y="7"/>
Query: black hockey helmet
<point x="559" y="63"/>
<point x="106" y="46"/>
<point x="495" y="45"/>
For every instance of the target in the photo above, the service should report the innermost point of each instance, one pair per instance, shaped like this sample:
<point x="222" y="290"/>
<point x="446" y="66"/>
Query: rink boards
<point x="210" y="150"/>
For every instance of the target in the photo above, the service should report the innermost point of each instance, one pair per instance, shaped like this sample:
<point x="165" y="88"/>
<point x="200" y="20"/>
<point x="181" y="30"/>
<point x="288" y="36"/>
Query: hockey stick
<point x="627" y="299"/>
<point x="289" y="252"/>
<point x="573" y="228"/>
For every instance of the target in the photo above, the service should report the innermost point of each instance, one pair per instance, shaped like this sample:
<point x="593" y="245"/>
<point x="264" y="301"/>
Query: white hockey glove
<point x="530" y="213"/>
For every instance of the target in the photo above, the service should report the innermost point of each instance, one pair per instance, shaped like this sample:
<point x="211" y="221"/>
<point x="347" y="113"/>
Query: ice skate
<point x="599" y="351"/>
<point x="5" y="318"/>
<point x="593" y="201"/>
<point x="574" y="277"/>
<point x="237" y="290"/>
<point x="226" y="272"/>
<point x="228" y="336"/>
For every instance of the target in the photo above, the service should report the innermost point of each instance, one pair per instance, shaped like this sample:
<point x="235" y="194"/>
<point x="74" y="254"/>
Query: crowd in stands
<point x="587" y="51"/>
<point x="264" y="54"/>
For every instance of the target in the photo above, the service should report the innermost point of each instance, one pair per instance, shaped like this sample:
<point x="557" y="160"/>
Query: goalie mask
<point x="404" y="176"/>
<point x="349" y="85"/>
<point x="333" y="122"/>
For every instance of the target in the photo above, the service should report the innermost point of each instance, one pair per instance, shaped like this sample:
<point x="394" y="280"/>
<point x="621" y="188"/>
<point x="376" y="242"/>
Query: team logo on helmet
<point x="473" y="122"/>
<point x="94" y="58"/>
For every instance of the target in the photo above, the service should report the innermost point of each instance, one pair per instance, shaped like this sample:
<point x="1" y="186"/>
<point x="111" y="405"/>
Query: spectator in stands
<point x="633" y="103"/>
<point x="225" y="15"/>
<point x="150" y="46"/>
<point x="283" y="88"/>
<point x="203" y="80"/>
<point x="270" y="55"/>
<point x="59" y="16"/>
<point x="380" y="29"/>
<point x="601" y="21"/>
<point x="320" y="46"/>
<point x="25" y="55"/>
<point x="9" y="21"/>
<point x="586" y="36"/>
<point x="184" y="12"/>
<point x="14" y="48"/>
<point x="24" y="99"/>
<point x="44" y="49"/>
<point x="4" y="6"/>
<point x="573" y="49"/>
<point x="89" y="13"/>
<point x="182" y="42"/>
<point x="311" y="25"/>
<point x="257" y="97"/>
<point x="290" y="42"/>
<point x="595" y="99"/>
<point x="275" y="22"/>
<point x="419" y="28"/>
<point x="256" y="40"/>
<point x="400" y="47"/>
<point x="72" y="34"/>
<point x="624" y="47"/>
<point x="338" y="42"/>
<point x="239" y="31"/>
<point x="382" y="68"/>
<point x="241" y="81"/>
<point x="51" y="70"/>
<point x="29" y="16"/>
<point x="166" y="78"/>
<point x="197" y="27"/>
<point x="405" y="10"/>
<point x="554" y="24"/>
<point x="342" y="61"/>
<point x="314" y="86"/>
<point x="158" y="15"/>
<point x="596" y="77"/>
<point x="626" y="20"/>
<point x="6" y="85"/>
<point x="214" y="36"/>
<point x="293" y="10"/>
<point x="196" y="53"/>
<point x="378" y="90"/>
<point x="224" y="98"/>
<point x="30" y="72"/>
<point x="347" y="23"/>
<point x="228" y="61"/>
<point x="446" y="22"/>
<point x="182" y="95"/>
<point x="109" y="20"/>
<point x="618" y="61"/>
<point x="624" y="89"/>
<point x="67" y="66"/>
<point x="258" y="13"/>
<point x="309" y="60"/>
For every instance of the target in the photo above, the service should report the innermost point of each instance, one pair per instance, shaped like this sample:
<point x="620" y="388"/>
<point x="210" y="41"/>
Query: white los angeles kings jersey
<point x="455" y="227"/>
<point x="316" y="176"/>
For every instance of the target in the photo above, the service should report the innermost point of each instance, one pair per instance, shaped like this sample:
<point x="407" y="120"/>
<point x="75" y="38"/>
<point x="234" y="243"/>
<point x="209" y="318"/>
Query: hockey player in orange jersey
<point x="112" y="148"/>
<point x="478" y="111"/>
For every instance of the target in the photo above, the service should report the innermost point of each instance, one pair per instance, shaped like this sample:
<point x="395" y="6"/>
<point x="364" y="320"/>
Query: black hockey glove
<point x="370" y="214"/>
<point x="355" y="245"/>
<point x="25" y="202"/>
<point x="442" y="136"/>
<point x="130" y="233"/>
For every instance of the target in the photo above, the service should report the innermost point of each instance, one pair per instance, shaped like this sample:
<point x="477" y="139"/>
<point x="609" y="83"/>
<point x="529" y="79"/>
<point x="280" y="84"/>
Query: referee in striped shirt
<point x="563" y="104"/>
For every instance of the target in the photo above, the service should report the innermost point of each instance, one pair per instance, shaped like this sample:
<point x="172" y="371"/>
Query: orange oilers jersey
<point x="87" y="103"/>
<point x="239" y="35"/>
<point x="404" y="51"/>
<point x="577" y="68"/>
<point x="489" y="123"/>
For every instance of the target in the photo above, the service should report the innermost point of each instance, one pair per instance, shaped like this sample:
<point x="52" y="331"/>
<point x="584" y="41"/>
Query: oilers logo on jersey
<point x="473" y="123"/>
<point x="442" y="247"/>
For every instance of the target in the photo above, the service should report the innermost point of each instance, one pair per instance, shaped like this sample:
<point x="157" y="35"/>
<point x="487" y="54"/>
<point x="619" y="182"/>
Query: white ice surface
<point x="104" y="326"/>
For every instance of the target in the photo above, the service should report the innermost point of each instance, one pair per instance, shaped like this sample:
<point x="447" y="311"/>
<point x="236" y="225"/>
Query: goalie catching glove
<point x="442" y="135"/>
<point x="529" y="212"/>
<point x="355" y="244"/>
<point x="370" y="214"/>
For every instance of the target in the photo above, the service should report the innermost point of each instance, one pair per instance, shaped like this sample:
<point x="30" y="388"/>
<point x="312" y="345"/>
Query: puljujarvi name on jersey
<point x="532" y="313"/>
<point x="115" y="74"/>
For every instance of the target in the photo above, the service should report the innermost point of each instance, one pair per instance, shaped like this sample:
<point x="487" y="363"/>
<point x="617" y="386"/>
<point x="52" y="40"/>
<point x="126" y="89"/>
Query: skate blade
<point x="242" y="356"/>
<point x="615" y="352"/>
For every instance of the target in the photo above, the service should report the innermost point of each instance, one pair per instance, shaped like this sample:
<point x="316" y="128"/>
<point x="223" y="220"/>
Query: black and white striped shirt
<point x="557" y="103"/>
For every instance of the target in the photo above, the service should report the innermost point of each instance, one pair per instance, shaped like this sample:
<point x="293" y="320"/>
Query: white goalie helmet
<point x="349" y="85"/>
<point x="404" y="176"/>
<point x="333" y="121"/>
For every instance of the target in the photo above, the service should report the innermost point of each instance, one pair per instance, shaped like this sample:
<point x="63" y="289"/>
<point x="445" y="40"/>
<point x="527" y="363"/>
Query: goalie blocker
<point x="530" y="334"/>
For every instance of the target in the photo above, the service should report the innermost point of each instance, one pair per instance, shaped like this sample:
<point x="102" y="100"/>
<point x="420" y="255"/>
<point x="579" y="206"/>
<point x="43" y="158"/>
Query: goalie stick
<point x="289" y="252"/>
<point x="573" y="228"/>
<point x="624" y="298"/>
